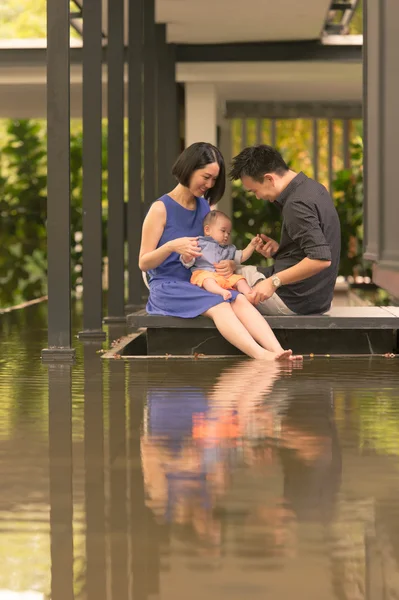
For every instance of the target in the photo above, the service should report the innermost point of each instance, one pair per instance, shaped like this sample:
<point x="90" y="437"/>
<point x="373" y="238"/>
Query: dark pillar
<point x="92" y="170"/>
<point x="382" y="132"/>
<point x="118" y="519"/>
<point x="116" y="188"/>
<point x="173" y="107"/>
<point x="273" y="132"/>
<point x="135" y="98"/>
<point x="58" y="183"/>
<point x="372" y="100"/>
<point x="167" y="112"/>
<point x="346" y="143"/>
<point x="150" y="70"/>
<point x="330" y="150"/>
<point x="60" y="475"/>
<point x="96" y="581"/>
<point x="315" y="128"/>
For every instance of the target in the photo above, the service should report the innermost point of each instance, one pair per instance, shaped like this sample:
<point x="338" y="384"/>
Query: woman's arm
<point x="150" y="256"/>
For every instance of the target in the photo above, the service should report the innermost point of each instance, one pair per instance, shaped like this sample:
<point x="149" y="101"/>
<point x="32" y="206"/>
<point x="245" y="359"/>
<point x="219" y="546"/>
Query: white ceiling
<point x="223" y="21"/>
<point x="218" y="21"/>
<point x="268" y="81"/>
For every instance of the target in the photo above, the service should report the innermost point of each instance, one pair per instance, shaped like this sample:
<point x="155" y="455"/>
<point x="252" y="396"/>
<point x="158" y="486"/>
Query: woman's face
<point x="204" y="179"/>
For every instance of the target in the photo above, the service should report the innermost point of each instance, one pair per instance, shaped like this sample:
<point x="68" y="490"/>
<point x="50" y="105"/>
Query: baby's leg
<point x="211" y="285"/>
<point x="243" y="287"/>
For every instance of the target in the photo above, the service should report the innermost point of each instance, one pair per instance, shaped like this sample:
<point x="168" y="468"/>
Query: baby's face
<point x="220" y="231"/>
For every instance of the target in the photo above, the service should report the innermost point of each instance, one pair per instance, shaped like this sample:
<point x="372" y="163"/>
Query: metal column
<point x="60" y="475"/>
<point x="163" y="111"/>
<point x="135" y="98"/>
<point x="96" y="581"/>
<point x="58" y="183"/>
<point x="315" y="130"/>
<point x="273" y="132"/>
<point x="118" y="492"/>
<point x="116" y="187"/>
<point x="382" y="126"/>
<point x="150" y="69"/>
<point x="330" y="150"/>
<point x="92" y="170"/>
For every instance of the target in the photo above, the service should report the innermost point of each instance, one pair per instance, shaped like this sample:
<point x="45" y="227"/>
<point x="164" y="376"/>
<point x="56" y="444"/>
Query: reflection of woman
<point x="170" y="230"/>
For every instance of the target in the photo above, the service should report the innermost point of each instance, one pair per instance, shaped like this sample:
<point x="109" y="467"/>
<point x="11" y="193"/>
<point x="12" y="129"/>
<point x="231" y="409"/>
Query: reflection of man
<point x="310" y="455"/>
<point x="306" y="260"/>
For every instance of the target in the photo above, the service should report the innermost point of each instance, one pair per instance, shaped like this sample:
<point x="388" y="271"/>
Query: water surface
<point x="134" y="480"/>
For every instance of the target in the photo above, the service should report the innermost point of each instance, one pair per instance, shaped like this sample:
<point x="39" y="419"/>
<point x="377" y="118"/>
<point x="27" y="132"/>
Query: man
<point x="306" y="260"/>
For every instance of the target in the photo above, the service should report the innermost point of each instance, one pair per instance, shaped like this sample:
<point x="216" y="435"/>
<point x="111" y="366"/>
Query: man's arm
<point x="304" y="228"/>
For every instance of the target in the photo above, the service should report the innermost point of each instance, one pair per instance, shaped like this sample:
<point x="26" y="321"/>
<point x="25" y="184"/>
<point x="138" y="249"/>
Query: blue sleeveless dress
<point x="171" y="292"/>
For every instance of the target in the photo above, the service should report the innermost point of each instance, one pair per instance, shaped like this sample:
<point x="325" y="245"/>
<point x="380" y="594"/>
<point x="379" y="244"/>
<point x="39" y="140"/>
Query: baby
<point x="214" y="248"/>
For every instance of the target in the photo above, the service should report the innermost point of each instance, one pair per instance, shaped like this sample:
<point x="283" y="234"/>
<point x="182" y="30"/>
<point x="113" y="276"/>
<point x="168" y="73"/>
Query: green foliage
<point x="22" y="19"/>
<point x="23" y="214"/>
<point x="23" y="210"/>
<point x="348" y="197"/>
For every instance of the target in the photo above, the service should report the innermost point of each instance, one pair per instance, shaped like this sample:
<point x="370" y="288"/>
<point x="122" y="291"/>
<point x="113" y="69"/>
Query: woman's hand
<point x="187" y="246"/>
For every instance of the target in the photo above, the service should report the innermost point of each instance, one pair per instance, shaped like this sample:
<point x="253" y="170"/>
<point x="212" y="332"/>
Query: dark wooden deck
<point x="344" y="330"/>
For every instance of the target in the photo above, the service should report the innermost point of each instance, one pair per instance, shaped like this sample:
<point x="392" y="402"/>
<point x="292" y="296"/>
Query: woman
<point x="171" y="229"/>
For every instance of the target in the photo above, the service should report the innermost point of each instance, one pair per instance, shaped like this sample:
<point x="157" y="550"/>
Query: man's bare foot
<point x="251" y="296"/>
<point x="226" y="295"/>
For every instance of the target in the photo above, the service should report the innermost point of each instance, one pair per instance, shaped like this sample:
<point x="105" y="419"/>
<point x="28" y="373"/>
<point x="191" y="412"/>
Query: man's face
<point x="263" y="190"/>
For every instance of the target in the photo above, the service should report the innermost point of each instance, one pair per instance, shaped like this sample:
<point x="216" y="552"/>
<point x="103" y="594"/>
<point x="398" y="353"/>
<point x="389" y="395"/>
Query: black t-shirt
<point x="310" y="229"/>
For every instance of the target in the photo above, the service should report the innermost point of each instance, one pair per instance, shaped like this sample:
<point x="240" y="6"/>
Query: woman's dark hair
<point x="256" y="161"/>
<point x="195" y="157"/>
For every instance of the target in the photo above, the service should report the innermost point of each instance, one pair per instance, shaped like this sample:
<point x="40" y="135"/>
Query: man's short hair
<point x="213" y="216"/>
<point x="256" y="161"/>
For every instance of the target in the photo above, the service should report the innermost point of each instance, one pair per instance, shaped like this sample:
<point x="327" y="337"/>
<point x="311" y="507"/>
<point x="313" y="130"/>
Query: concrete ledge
<point x="348" y="317"/>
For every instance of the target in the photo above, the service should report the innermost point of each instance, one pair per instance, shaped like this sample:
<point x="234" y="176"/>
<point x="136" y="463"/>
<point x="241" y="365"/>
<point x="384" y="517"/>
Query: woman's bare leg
<point x="234" y="331"/>
<point x="257" y="326"/>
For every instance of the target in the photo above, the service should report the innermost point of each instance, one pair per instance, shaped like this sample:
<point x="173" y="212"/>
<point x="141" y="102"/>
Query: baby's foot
<point x="226" y="295"/>
<point x="251" y="296"/>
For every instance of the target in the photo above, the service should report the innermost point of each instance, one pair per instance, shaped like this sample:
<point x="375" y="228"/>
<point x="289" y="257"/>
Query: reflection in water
<point x="192" y="479"/>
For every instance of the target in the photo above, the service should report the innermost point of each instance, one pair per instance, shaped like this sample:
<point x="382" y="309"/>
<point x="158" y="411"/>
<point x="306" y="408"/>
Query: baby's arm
<point x="249" y="250"/>
<point x="187" y="261"/>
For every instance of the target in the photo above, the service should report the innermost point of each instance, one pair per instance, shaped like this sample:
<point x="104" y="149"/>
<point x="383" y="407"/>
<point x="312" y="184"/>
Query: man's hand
<point x="225" y="267"/>
<point x="266" y="246"/>
<point x="264" y="290"/>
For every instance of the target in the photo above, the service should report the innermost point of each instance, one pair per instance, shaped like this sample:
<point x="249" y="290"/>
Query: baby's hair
<point x="213" y="216"/>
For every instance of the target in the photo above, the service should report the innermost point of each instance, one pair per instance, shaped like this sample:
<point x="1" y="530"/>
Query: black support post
<point x="273" y="132"/>
<point x="167" y="112"/>
<point x="96" y="577"/>
<point x="58" y="183"/>
<point x="150" y="70"/>
<point x="382" y="127"/>
<point x="60" y="475"/>
<point x="118" y="482"/>
<point x="315" y="156"/>
<point x="92" y="170"/>
<point x="330" y="150"/>
<point x="346" y="143"/>
<point x="116" y="191"/>
<point x="135" y="114"/>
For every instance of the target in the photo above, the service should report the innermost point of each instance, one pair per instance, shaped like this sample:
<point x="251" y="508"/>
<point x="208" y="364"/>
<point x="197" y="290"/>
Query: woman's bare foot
<point x="226" y="295"/>
<point x="281" y="356"/>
